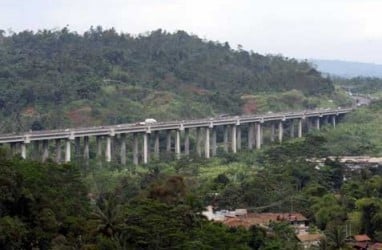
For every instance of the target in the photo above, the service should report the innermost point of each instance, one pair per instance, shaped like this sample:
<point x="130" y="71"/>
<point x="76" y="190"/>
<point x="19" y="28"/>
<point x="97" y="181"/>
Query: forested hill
<point x="61" y="78"/>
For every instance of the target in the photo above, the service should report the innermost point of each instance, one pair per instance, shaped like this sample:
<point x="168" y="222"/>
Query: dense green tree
<point x="371" y="215"/>
<point x="52" y="72"/>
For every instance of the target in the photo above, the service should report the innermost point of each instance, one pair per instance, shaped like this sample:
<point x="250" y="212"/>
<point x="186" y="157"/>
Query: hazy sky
<point x="322" y="29"/>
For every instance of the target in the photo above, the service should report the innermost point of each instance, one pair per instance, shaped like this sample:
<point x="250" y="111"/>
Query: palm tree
<point x="336" y="236"/>
<point x="108" y="217"/>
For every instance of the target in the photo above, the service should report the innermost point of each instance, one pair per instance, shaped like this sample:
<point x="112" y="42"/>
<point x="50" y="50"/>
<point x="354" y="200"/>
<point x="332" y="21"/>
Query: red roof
<point x="263" y="219"/>
<point x="361" y="237"/>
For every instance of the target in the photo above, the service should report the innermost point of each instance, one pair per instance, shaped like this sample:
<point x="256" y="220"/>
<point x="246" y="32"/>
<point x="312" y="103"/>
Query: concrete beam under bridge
<point x="206" y="133"/>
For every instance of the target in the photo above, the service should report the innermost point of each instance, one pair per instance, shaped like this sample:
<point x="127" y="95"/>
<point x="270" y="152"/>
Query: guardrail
<point x="171" y="125"/>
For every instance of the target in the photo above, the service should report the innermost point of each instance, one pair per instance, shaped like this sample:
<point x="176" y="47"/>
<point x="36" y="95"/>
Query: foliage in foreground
<point x="158" y="206"/>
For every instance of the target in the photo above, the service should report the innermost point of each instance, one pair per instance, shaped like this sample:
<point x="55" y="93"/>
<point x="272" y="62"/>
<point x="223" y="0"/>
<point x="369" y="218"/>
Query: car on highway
<point x="147" y="121"/>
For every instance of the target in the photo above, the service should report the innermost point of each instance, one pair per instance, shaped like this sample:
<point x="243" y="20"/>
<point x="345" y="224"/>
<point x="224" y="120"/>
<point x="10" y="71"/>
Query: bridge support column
<point x="145" y="148"/>
<point x="233" y="139"/>
<point x="135" y="149"/>
<point x="99" y="146"/>
<point x="318" y="123"/>
<point x="13" y="148"/>
<point x="23" y="150"/>
<point x="258" y="136"/>
<point x="86" y="149"/>
<point x="207" y="143"/>
<point x="77" y="147"/>
<point x="291" y="128"/>
<point x="225" y="138"/>
<point x="36" y="150"/>
<point x="309" y="124"/>
<point x="108" y="149"/>
<point x="156" y="145"/>
<point x="123" y="148"/>
<point x="251" y="132"/>
<point x="67" y="150"/>
<point x="177" y="144"/>
<point x="273" y="132"/>
<point x="299" y="128"/>
<point x="214" y="141"/>
<point x="198" y="139"/>
<point x="45" y="150"/>
<point x="58" y="150"/>
<point x="334" y="121"/>
<point x="168" y="141"/>
<point x="186" y="141"/>
<point x="238" y="138"/>
<point x="281" y="131"/>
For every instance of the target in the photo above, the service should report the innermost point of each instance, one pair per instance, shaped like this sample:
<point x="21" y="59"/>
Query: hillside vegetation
<point x="159" y="205"/>
<point x="58" y="78"/>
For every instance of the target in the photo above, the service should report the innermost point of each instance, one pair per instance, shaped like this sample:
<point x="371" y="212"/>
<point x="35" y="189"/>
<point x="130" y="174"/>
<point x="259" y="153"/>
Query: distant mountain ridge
<point x="348" y="69"/>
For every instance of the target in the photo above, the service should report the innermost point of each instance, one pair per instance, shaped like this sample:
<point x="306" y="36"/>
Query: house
<point x="310" y="240"/>
<point x="241" y="217"/>
<point x="296" y="220"/>
<point x="360" y="241"/>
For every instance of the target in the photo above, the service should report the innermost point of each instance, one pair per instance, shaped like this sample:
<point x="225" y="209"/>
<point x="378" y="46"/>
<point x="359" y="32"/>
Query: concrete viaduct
<point x="132" y="137"/>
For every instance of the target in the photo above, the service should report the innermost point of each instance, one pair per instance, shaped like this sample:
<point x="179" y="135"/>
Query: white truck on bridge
<point x="147" y="121"/>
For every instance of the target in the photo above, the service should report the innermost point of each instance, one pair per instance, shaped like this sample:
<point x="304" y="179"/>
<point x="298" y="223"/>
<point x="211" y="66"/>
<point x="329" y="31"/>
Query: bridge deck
<point x="159" y="126"/>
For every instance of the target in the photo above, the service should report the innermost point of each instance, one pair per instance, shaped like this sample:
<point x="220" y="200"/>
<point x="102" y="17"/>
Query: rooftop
<point x="263" y="219"/>
<point x="361" y="237"/>
<point x="309" y="237"/>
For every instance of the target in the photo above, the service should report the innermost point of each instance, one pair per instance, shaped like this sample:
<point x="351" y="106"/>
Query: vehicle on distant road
<point x="147" y="121"/>
<point x="150" y="121"/>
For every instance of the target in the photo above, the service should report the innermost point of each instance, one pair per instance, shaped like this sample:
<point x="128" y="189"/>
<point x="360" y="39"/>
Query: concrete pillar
<point x="318" y="123"/>
<point x="225" y="138"/>
<point x="233" y="139"/>
<point x="186" y="141"/>
<point x="168" y="140"/>
<point x="198" y="139"/>
<point x="258" y="136"/>
<point x="177" y="144"/>
<point x="299" y="128"/>
<point x="207" y="143"/>
<point x="67" y="150"/>
<point x="135" y="149"/>
<point x="156" y="145"/>
<point x="291" y="128"/>
<point x="251" y="132"/>
<point x="281" y="131"/>
<point x="99" y="146"/>
<point x="77" y="147"/>
<point x="108" y="149"/>
<point x="13" y="148"/>
<point x="273" y="132"/>
<point x="58" y="150"/>
<point x="86" y="149"/>
<point x="24" y="150"/>
<point x="238" y="137"/>
<point x="214" y="147"/>
<point x="45" y="150"/>
<point x="309" y="124"/>
<point x="36" y="150"/>
<point x="145" y="148"/>
<point x="334" y="121"/>
<point x="122" y="144"/>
